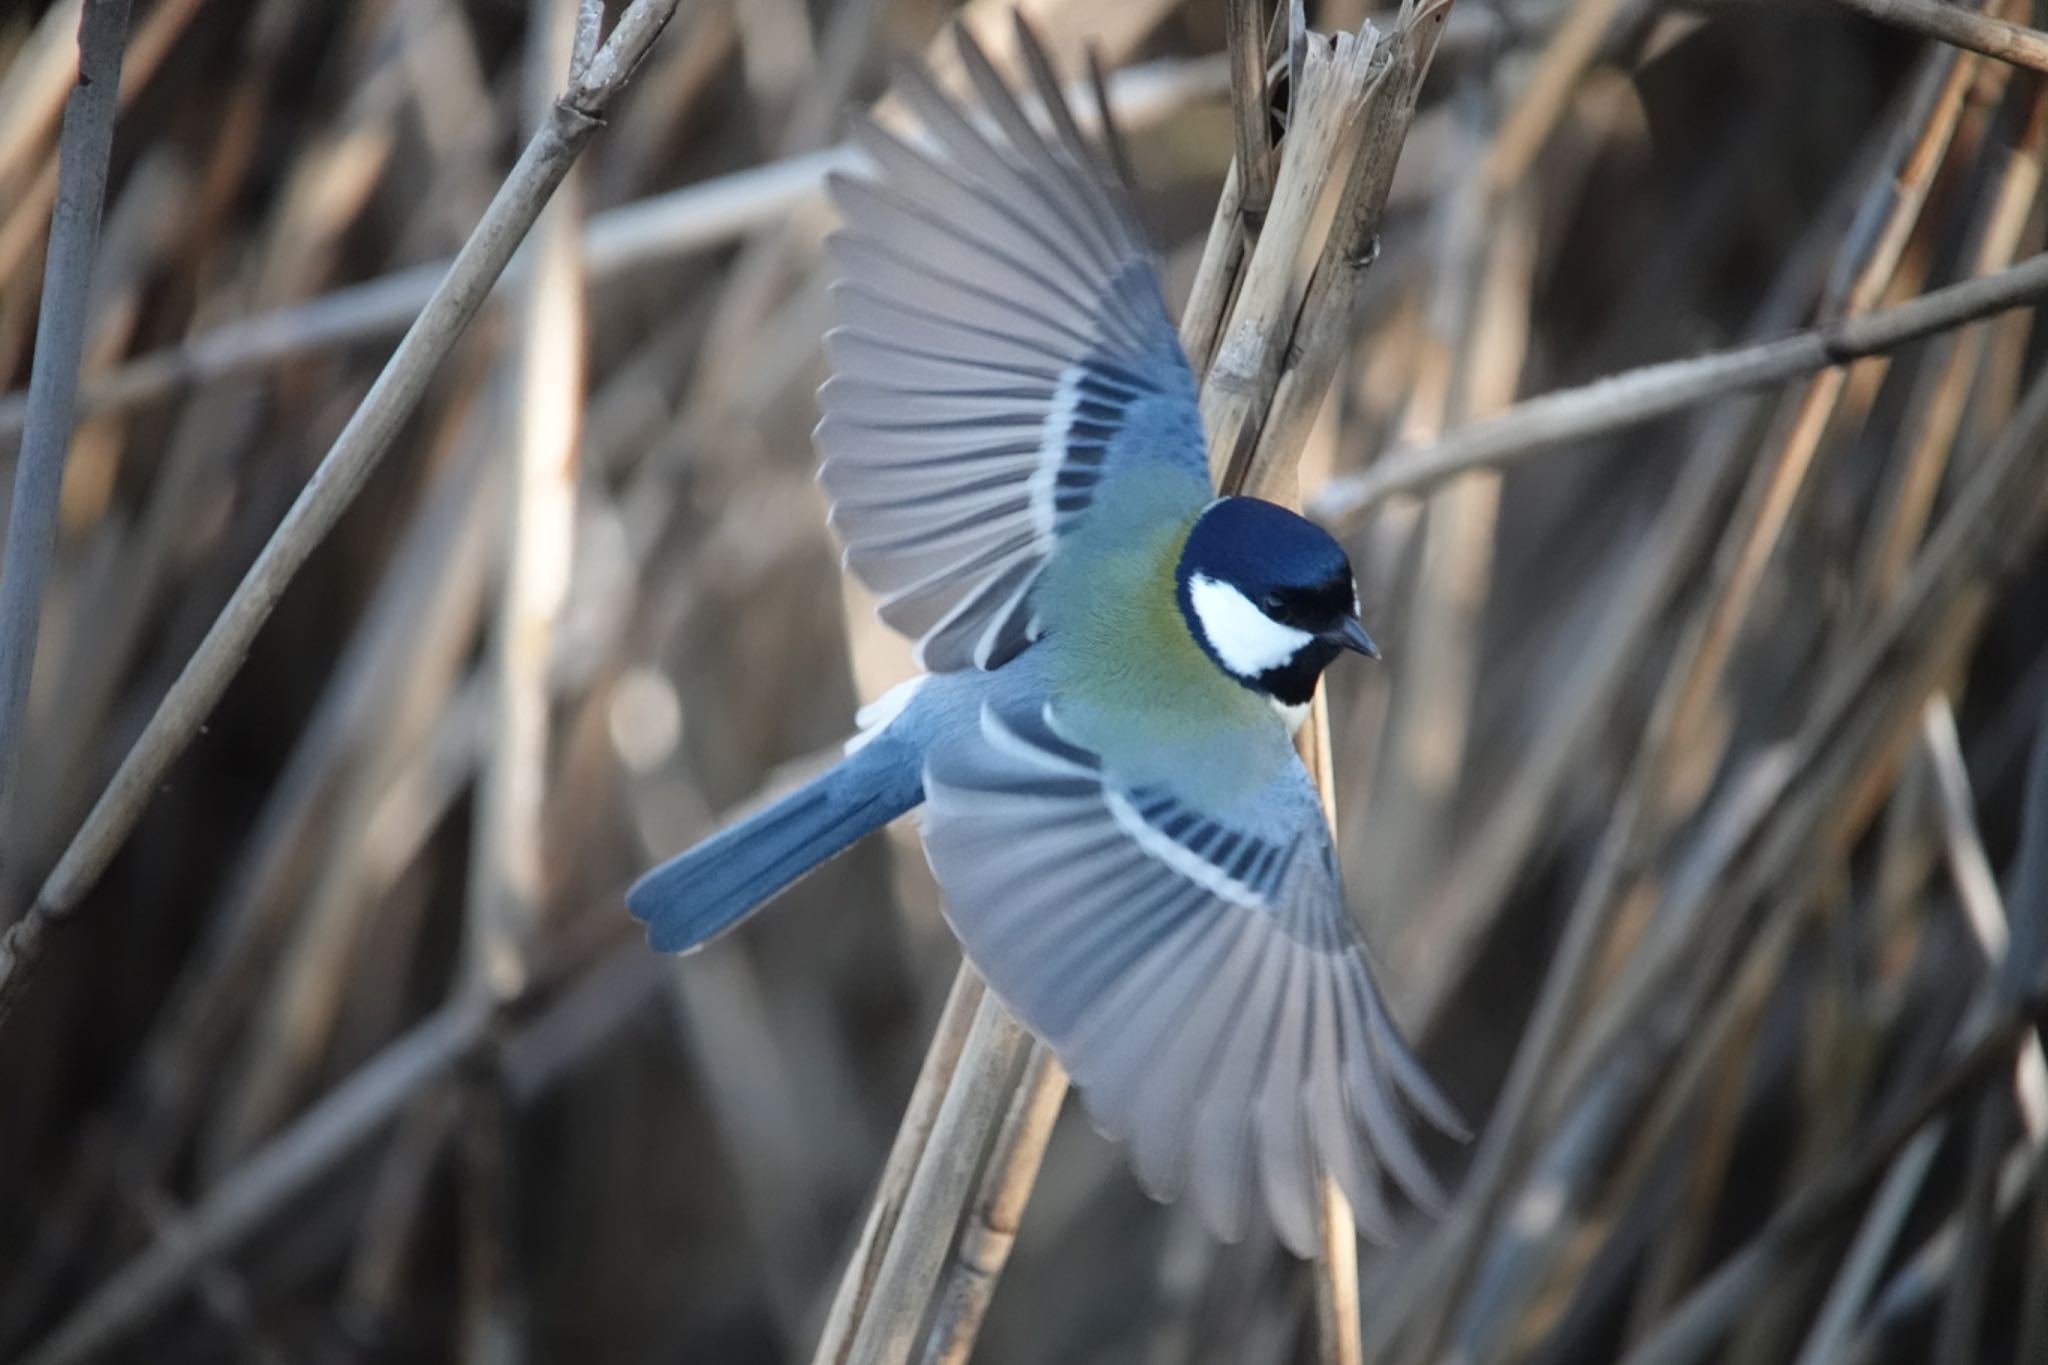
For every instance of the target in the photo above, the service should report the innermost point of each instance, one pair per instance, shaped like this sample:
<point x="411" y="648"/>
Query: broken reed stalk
<point x="83" y="149"/>
<point x="1355" y="87"/>
<point x="1251" y="113"/>
<point x="573" y="119"/>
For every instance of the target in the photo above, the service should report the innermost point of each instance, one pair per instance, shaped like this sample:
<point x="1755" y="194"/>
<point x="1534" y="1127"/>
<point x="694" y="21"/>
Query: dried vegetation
<point x="1677" y="391"/>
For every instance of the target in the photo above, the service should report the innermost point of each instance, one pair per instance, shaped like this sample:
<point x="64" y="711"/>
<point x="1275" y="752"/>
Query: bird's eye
<point x="1275" y="606"/>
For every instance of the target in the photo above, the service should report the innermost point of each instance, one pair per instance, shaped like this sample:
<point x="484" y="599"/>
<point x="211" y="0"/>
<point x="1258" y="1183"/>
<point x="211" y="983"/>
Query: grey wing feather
<point x="1201" y="983"/>
<point x="1000" y="345"/>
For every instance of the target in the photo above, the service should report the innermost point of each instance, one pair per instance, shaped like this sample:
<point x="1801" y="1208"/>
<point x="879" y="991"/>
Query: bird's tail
<point x="700" y="893"/>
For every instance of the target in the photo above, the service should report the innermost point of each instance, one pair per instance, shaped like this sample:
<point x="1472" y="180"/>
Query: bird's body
<point x="1129" y="848"/>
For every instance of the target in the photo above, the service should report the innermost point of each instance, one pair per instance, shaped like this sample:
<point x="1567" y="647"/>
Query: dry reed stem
<point x="1918" y="477"/>
<point x="1339" y="1337"/>
<point x="1632" y="828"/>
<point x="83" y="150"/>
<point x="327" y="1133"/>
<point x="507" y="881"/>
<point x="1961" y="27"/>
<point x="546" y="389"/>
<point x="1995" y="518"/>
<point x="1956" y="1340"/>
<point x="977" y="1097"/>
<point x="1251" y="110"/>
<point x="1538" y="425"/>
<point x="417" y="631"/>
<point x="1712" y="1308"/>
<point x="573" y="120"/>
<point x="1573" y="542"/>
<point x="968" y="1284"/>
<point x="660" y="228"/>
<point x="1912" y="484"/>
<point x="1445" y="937"/>
<point x="259" y="1186"/>
<point x="913" y="1135"/>
<point x="1707" y="1312"/>
<point x="33" y="90"/>
<point x="23" y="227"/>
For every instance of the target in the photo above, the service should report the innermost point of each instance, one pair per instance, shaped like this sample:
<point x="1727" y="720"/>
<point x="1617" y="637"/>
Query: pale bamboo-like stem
<point x="947" y="1170"/>
<point x="573" y="120"/>
<point x="1339" y="1339"/>
<point x="885" y="1209"/>
<point x="968" y="1285"/>
<point x="546" y="395"/>
<point x="506" y="878"/>
<point x="1252" y="350"/>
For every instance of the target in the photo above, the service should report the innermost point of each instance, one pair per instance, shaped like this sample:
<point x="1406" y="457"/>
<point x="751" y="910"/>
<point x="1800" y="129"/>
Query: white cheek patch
<point x="1248" y="641"/>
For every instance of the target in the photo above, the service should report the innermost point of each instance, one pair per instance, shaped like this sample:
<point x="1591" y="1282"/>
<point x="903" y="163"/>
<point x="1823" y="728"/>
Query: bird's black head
<point x="1269" y="596"/>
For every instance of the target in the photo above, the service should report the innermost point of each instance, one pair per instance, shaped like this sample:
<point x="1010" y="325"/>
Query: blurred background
<point x="1695" y="771"/>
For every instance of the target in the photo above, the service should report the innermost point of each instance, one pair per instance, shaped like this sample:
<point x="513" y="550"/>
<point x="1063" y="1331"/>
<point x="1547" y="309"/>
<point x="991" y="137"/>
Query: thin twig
<point x="659" y="228"/>
<point x="573" y="120"/>
<point x="1959" y="25"/>
<point x="1702" y="655"/>
<point x="82" y="152"/>
<point x="329" y="1131"/>
<point x="1691" y="1331"/>
<point x="1624" y="400"/>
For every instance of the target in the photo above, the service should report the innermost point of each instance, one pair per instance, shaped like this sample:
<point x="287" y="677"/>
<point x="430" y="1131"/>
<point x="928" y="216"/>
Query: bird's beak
<point x="1351" y="635"/>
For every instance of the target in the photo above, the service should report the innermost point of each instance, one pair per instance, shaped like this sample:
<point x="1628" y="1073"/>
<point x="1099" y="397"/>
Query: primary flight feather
<point x="1128" y="846"/>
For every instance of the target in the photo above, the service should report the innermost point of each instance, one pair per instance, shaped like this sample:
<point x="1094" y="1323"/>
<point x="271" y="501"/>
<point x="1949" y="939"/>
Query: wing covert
<point x="1000" y="346"/>
<point x="1200" y="981"/>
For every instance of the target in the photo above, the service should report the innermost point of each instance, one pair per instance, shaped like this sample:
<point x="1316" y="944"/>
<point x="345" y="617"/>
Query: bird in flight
<point x="1129" y="848"/>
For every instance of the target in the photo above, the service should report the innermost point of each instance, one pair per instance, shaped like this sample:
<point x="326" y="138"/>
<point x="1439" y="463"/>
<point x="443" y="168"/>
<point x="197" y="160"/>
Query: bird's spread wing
<point x="1201" y="983"/>
<point x="1000" y="344"/>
